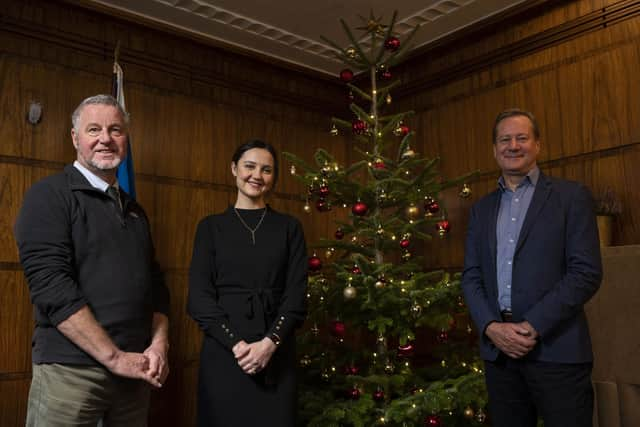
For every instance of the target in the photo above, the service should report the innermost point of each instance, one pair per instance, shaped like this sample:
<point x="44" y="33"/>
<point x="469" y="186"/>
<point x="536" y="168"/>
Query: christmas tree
<point x="373" y="303"/>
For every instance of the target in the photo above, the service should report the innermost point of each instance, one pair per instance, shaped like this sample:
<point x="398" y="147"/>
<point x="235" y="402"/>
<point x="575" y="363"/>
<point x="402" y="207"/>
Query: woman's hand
<point x="253" y="357"/>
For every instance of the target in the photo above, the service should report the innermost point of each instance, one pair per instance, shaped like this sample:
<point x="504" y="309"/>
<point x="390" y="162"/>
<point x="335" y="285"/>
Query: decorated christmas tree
<point x="372" y="304"/>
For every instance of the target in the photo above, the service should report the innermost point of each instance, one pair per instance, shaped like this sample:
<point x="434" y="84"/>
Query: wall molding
<point x="594" y="21"/>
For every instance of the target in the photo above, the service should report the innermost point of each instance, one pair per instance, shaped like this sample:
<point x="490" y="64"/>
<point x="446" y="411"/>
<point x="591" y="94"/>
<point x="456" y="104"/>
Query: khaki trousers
<point x="85" y="396"/>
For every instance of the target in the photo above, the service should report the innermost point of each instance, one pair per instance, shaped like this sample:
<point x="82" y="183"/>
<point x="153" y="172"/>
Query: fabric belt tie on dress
<point x="258" y="299"/>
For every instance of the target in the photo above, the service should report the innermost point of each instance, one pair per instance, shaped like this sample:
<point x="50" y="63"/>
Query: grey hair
<point x="97" y="100"/>
<point x="513" y="112"/>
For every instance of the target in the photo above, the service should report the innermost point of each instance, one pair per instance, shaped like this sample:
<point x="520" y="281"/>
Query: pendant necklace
<point x="251" y="230"/>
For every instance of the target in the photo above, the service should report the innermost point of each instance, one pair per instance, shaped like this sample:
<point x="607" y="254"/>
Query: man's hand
<point x="513" y="339"/>
<point x="253" y="357"/>
<point x="158" y="363"/>
<point x="130" y="365"/>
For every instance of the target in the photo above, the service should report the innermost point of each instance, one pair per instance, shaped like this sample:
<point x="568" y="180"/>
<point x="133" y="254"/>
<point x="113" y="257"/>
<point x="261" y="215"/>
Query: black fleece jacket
<point x="78" y="249"/>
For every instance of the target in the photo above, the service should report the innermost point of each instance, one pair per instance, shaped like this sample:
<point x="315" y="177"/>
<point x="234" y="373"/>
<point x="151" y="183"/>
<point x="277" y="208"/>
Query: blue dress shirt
<point x="513" y="209"/>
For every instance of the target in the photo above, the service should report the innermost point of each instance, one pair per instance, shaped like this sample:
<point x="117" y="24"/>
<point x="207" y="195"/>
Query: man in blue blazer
<point x="532" y="261"/>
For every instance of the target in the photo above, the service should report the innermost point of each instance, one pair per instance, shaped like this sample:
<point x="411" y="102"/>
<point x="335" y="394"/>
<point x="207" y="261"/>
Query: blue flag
<point x="124" y="174"/>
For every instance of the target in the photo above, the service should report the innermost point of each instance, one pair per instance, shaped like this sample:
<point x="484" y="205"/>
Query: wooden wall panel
<point x="16" y="323"/>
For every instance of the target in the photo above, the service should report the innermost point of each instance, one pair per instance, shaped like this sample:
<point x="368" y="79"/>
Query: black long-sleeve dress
<point x="239" y="290"/>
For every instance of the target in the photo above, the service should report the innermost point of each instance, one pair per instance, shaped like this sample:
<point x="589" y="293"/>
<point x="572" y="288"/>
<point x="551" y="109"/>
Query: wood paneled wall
<point x="190" y="105"/>
<point x="573" y="63"/>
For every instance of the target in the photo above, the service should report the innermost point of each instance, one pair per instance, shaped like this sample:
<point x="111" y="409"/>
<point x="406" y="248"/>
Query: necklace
<point x="251" y="230"/>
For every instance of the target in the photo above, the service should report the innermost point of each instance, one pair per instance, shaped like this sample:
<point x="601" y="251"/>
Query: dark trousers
<point x="520" y="390"/>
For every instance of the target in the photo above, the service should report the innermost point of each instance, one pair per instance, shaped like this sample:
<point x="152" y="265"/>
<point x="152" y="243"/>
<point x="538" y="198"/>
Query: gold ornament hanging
<point x="351" y="52"/>
<point x="305" y="360"/>
<point x="334" y="130"/>
<point x="388" y="99"/>
<point x="349" y="292"/>
<point x="465" y="192"/>
<point x="292" y="170"/>
<point x="408" y="154"/>
<point x="412" y="211"/>
<point x="469" y="413"/>
<point x="307" y="207"/>
<point x="329" y="253"/>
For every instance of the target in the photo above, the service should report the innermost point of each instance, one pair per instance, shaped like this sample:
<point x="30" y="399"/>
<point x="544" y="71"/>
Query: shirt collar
<point x="94" y="180"/>
<point x="531" y="178"/>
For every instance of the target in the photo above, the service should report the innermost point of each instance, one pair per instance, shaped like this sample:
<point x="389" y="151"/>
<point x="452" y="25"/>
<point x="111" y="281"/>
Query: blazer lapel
<point x="540" y="196"/>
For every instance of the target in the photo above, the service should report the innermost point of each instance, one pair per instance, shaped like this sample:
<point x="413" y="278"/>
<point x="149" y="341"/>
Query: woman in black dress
<point x="247" y="291"/>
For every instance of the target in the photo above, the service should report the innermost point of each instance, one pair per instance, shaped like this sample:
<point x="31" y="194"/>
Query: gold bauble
<point x="351" y="52"/>
<point x="465" y="192"/>
<point x="408" y="154"/>
<point x="412" y="211"/>
<point x="292" y="169"/>
<point x="329" y="253"/>
<point x="334" y="130"/>
<point x="389" y="368"/>
<point x="406" y="256"/>
<point x="349" y="292"/>
<point x="380" y="284"/>
<point x="388" y="99"/>
<point x="305" y="361"/>
<point x="307" y="207"/>
<point x="469" y="412"/>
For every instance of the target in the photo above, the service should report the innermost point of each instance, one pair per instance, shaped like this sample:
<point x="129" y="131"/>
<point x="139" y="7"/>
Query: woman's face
<point x="254" y="173"/>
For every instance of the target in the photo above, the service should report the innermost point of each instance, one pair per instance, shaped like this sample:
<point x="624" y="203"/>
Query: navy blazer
<point x="556" y="270"/>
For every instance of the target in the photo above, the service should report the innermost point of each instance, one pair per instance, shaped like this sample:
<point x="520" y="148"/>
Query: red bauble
<point x="351" y="370"/>
<point x="433" y="421"/>
<point x="443" y="226"/>
<point x="379" y="164"/>
<point x="322" y="205"/>
<point x="346" y="75"/>
<point x="324" y="190"/>
<point x="392" y="43"/>
<point x="338" y="328"/>
<point x="356" y="270"/>
<point x="443" y="337"/>
<point x="315" y="263"/>
<point x="378" y="395"/>
<point x="432" y="207"/>
<point x="405" y="243"/>
<point x="354" y="393"/>
<point x="359" y="209"/>
<point x="358" y="126"/>
<point x="403" y="130"/>
<point x="406" y="350"/>
<point x="339" y="234"/>
<point x="385" y="74"/>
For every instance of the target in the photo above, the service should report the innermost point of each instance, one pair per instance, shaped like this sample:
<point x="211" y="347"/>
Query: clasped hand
<point x="252" y="358"/>
<point x="151" y="366"/>
<point x="513" y="339"/>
